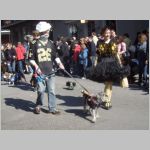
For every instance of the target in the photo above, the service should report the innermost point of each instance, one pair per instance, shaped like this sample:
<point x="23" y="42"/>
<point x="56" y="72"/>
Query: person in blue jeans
<point x="10" y="55"/>
<point x="42" y="58"/>
<point x="141" y="49"/>
<point x="83" y="61"/>
<point x="146" y="70"/>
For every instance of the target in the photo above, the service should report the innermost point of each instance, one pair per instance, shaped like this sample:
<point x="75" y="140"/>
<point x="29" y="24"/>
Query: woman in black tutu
<point x="108" y="68"/>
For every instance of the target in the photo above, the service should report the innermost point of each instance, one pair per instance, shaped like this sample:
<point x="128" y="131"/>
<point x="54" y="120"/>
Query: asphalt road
<point x="130" y="109"/>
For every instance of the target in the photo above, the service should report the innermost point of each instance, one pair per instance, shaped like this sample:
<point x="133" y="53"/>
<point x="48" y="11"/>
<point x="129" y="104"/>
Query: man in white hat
<point x="43" y="57"/>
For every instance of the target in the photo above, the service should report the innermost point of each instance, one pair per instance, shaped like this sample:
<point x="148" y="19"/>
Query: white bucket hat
<point x="43" y="26"/>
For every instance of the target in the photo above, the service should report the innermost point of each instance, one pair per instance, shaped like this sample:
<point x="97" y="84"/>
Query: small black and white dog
<point x="70" y="85"/>
<point x="93" y="102"/>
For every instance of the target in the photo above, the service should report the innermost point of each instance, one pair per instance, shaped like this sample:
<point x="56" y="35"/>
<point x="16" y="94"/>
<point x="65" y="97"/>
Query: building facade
<point x="68" y="28"/>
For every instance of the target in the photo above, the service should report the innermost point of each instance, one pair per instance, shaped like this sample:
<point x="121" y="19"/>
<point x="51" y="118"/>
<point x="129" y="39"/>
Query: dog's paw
<point x="94" y="120"/>
<point x="91" y="111"/>
<point x="97" y="115"/>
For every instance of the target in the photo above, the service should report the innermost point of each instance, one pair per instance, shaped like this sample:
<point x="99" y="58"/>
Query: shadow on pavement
<point x="80" y="113"/>
<point x="22" y="86"/>
<point x="67" y="88"/>
<point x="20" y="104"/>
<point x="70" y="100"/>
<point x="74" y="101"/>
<point x="4" y="83"/>
<point x="137" y="87"/>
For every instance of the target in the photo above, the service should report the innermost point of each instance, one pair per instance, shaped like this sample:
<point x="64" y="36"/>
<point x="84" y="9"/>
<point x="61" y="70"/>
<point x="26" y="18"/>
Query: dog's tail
<point x="85" y="92"/>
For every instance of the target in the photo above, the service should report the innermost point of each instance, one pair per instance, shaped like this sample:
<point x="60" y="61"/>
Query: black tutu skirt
<point x="108" y="69"/>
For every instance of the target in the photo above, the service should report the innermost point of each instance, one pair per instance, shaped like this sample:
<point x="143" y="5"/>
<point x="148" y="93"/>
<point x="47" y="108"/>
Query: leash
<point x="43" y="77"/>
<point x="75" y="80"/>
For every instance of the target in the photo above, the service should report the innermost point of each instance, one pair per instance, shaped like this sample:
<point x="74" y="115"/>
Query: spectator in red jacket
<point x="76" y="51"/>
<point x="20" y="50"/>
<point x="20" y="55"/>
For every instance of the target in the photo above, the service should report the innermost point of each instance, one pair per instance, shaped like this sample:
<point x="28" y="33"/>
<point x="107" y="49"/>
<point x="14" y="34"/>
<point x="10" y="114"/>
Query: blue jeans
<point x="48" y="84"/>
<point x="9" y="66"/>
<point x="93" y="59"/>
<point x="75" y="68"/>
<point x="13" y="66"/>
<point x="146" y="71"/>
<point x="20" y="66"/>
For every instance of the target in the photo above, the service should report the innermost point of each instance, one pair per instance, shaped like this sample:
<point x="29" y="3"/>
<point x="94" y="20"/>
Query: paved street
<point x="130" y="109"/>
